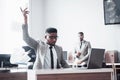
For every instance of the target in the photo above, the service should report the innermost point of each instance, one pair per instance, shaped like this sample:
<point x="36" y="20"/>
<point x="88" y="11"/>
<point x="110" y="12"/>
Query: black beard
<point x="51" y="44"/>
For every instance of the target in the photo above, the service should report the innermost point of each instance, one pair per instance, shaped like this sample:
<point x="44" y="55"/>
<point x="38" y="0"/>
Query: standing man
<point x="48" y="54"/>
<point x="82" y="50"/>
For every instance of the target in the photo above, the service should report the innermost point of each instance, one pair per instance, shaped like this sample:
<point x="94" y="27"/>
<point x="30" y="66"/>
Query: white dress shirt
<point x="47" y="59"/>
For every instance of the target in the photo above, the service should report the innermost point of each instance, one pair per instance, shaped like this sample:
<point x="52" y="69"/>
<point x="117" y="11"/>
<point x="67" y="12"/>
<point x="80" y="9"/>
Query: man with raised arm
<point x="48" y="54"/>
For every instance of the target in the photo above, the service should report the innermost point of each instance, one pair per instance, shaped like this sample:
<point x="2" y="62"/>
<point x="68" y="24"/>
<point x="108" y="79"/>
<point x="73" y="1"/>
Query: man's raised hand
<point x="24" y="12"/>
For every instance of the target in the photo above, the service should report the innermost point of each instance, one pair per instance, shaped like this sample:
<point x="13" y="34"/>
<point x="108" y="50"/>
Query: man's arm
<point x="30" y="41"/>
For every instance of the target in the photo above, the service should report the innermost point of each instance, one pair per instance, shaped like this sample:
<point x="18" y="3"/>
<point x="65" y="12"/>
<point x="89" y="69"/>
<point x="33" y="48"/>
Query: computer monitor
<point x="5" y="61"/>
<point x="65" y="55"/>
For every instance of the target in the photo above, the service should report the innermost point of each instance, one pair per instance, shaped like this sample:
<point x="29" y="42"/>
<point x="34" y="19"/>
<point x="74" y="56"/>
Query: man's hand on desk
<point x="78" y="62"/>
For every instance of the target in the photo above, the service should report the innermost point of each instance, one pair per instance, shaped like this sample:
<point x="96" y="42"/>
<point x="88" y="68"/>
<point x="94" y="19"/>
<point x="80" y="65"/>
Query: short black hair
<point x="51" y="30"/>
<point x="81" y="33"/>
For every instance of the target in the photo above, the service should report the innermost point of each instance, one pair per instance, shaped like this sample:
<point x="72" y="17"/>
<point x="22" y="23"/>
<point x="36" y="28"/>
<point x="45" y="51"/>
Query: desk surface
<point x="70" y="70"/>
<point x="113" y="64"/>
<point x="13" y="70"/>
<point x="71" y="74"/>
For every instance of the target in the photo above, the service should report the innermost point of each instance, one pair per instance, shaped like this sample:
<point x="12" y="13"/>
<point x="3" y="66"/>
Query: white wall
<point x="11" y="20"/>
<point x="36" y="21"/>
<point x="72" y="16"/>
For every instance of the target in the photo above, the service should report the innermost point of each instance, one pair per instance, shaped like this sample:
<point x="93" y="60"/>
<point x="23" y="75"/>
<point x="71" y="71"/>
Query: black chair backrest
<point x="32" y="54"/>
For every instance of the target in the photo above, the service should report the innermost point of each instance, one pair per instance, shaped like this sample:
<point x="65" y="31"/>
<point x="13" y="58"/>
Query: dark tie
<point x="81" y="45"/>
<point x="52" y="60"/>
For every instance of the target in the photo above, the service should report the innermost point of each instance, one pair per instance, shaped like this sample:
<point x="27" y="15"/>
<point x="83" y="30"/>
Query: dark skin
<point x="81" y="37"/>
<point x="51" y="38"/>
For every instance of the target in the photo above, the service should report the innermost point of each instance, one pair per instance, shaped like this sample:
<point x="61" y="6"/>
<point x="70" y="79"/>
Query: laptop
<point x="96" y="58"/>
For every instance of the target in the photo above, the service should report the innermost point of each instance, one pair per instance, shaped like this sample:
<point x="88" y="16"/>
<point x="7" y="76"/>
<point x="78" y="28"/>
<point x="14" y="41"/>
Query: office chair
<point x="31" y="54"/>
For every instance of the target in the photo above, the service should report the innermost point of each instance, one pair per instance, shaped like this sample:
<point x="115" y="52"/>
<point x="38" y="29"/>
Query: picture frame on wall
<point x="111" y="12"/>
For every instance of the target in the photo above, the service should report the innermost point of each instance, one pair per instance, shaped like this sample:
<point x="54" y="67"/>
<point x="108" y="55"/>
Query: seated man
<point x="48" y="54"/>
<point x="82" y="50"/>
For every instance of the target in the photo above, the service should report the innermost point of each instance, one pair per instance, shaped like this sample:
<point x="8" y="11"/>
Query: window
<point x="11" y="20"/>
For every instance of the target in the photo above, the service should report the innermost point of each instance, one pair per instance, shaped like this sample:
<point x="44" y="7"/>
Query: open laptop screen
<point x="96" y="58"/>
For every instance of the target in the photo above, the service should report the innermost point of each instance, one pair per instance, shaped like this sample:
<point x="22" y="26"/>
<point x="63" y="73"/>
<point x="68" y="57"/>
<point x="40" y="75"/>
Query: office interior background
<point x="68" y="16"/>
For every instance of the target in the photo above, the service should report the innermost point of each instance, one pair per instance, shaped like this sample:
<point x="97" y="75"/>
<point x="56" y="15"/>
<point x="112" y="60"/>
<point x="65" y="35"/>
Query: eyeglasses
<point x="53" y="37"/>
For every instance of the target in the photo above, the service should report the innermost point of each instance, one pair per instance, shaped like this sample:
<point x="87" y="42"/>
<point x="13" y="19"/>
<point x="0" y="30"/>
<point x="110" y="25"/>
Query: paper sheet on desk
<point x="20" y="57"/>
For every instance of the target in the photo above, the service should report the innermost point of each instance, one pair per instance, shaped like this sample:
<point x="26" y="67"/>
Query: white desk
<point x="114" y="68"/>
<point x="71" y="74"/>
